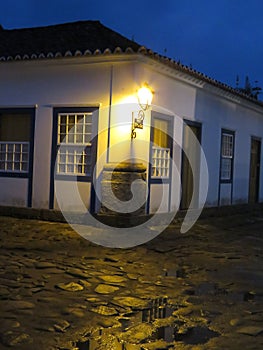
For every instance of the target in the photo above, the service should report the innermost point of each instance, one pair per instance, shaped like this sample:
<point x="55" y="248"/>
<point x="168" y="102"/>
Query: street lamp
<point x="144" y="96"/>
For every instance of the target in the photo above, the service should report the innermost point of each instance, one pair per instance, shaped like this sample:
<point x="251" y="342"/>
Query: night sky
<point x="220" y="38"/>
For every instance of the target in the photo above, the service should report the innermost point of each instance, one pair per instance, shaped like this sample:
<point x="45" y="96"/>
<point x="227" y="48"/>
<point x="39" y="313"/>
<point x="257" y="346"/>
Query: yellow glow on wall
<point x="129" y="99"/>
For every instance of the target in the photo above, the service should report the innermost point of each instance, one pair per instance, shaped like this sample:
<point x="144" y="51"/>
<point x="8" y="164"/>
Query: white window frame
<point x="14" y="157"/>
<point x="227" y="156"/>
<point x="74" y="143"/>
<point x="160" y="163"/>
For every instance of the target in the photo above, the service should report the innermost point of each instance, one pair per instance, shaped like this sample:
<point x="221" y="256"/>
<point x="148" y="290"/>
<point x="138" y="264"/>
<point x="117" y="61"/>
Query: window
<point x="160" y="162"/>
<point x="14" y="156"/>
<point x="227" y="155"/>
<point x="161" y="151"/>
<point x="74" y="135"/>
<point x="15" y="131"/>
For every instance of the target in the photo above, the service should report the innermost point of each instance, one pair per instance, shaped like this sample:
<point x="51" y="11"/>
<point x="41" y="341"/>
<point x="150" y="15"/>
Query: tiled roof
<point x="61" y="38"/>
<point x="84" y="38"/>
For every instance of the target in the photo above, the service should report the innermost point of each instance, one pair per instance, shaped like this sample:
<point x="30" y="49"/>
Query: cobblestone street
<point x="199" y="290"/>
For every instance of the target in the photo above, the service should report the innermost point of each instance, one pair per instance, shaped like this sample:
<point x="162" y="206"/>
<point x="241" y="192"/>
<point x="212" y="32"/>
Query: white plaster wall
<point x="72" y="197"/>
<point x="215" y="113"/>
<point x="170" y="93"/>
<point x="13" y="191"/>
<point x="76" y="82"/>
<point x="208" y="114"/>
<point x="177" y="99"/>
<point x="84" y="82"/>
<point x="225" y="194"/>
<point x="57" y="83"/>
<point x="124" y="103"/>
<point x="249" y="124"/>
<point x="42" y="156"/>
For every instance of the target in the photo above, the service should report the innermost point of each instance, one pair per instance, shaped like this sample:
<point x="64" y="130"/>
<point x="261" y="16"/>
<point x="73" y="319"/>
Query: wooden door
<point x="190" y="167"/>
<point x="254" y="170"/>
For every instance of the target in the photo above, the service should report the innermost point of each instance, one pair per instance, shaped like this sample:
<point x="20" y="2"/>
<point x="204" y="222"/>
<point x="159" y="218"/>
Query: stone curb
<point x="127" y="220"/>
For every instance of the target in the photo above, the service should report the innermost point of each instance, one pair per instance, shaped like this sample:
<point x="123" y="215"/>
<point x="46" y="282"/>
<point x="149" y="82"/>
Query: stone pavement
<point x="199" y="290"/>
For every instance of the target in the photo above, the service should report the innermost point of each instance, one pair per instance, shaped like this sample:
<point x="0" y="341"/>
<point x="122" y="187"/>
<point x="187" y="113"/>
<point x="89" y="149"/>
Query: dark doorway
<point x="254" y="170"/>
<point x="190" y="163"/>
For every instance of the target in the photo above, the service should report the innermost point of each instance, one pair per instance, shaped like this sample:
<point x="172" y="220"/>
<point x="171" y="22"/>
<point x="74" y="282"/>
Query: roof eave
<point x="171" y="66"/>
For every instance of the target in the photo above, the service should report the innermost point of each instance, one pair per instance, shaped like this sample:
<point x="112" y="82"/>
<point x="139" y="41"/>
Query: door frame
<point x="198" y="126"/>
<point x="169" y="119"/>
<point x="56" y="111"/>
<point x="230" y="182"/>
<point x="257" y="184"/>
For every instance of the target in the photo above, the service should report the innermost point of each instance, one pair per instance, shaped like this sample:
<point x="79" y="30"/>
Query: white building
<point x="84" y="77"/>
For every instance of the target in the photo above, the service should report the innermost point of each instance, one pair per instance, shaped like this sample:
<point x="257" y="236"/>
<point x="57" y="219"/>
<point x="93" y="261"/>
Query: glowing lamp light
<point x="145" y="96"/>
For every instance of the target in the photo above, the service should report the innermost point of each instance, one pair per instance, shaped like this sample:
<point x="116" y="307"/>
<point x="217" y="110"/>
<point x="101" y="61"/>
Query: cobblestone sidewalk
<point x="200" y="290"/>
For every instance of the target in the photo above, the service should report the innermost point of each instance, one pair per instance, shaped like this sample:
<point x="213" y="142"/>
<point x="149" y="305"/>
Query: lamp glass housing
<point x="145" y="97"/>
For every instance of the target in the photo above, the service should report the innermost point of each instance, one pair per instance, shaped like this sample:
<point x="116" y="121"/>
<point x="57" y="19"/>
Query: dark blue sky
<point x="220" y="38"/>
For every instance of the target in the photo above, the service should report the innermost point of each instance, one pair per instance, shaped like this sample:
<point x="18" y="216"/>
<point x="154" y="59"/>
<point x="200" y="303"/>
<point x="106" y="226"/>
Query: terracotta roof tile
<point x="76" y="36"/>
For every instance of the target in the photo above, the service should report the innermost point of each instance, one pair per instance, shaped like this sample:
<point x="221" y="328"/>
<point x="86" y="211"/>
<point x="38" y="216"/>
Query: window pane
<point x="62" y="157"/>
<point x="25" y="147"/>
<point x="62" y="132"/>
<point x="71" y="158"/>
<point x="16" y="166"/>
<point x="12" y="159"/>
<point x="9" y="156"/>
<point x="17" y="148"/>
<point x="160" y="137"/>
<point x="78" y="128"/>
<point x="88" y="118"/>
<point x="80" y="118"/>
<point x="15" y="127"/>
<point x="15" y="136"/>
<point x="62" y="119"/>
<point x="79" y="138"/>
<point x="24" y="157"/>
<point x="226" y="165"/>
<point x="88" y="138"/>
<point x="70" y="168"/>
<point x="88" y="128"/>
<point x="227" y="145"/>
<point x="9" y="166"/>
<point x="71" y="137"/>
<point x="10" y="147"/>
<point x="160" y="162"/>
<point x="17" y="157"/>
<point x="24" y="166"/>
<point x="61" y="168"/>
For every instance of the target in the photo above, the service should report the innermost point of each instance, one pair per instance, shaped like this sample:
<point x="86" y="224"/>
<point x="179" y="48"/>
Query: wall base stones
<point x="123" y="189"/>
